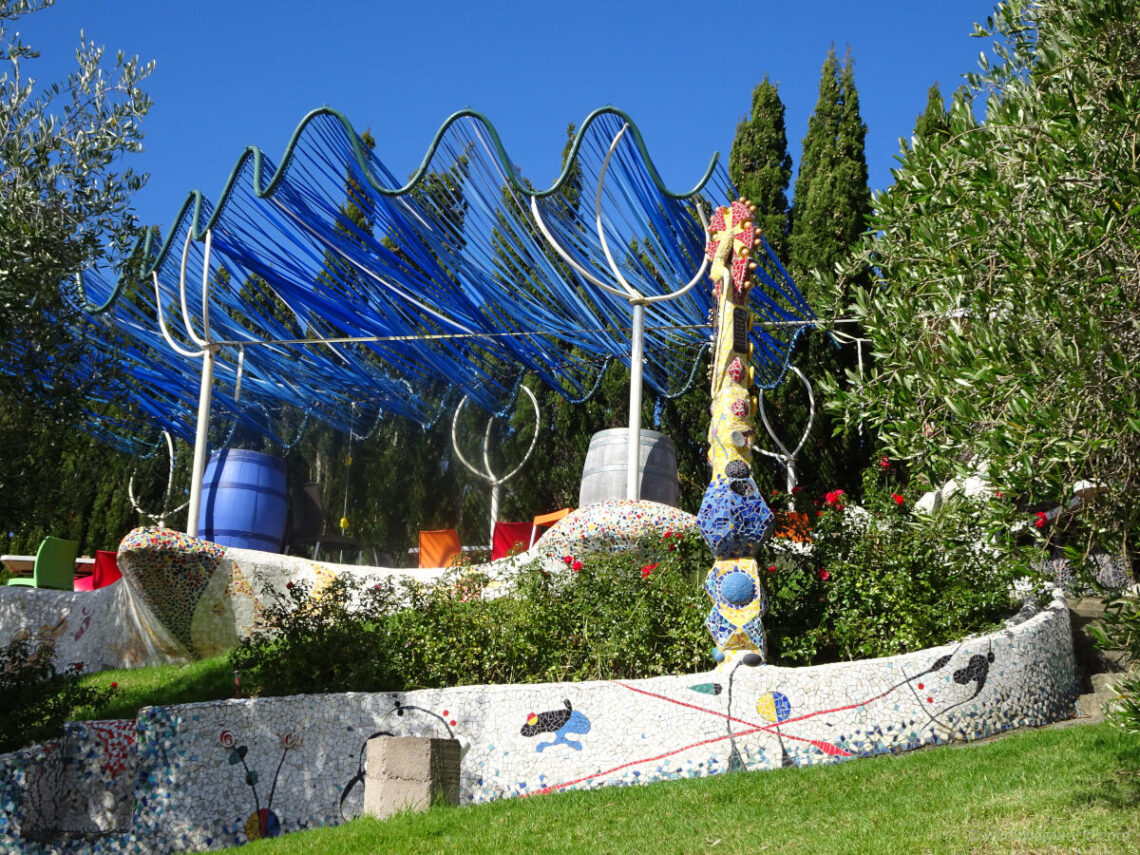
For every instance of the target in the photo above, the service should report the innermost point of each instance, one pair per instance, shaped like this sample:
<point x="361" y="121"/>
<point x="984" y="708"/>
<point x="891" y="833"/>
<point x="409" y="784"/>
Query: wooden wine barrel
<point x="604" y="473"/>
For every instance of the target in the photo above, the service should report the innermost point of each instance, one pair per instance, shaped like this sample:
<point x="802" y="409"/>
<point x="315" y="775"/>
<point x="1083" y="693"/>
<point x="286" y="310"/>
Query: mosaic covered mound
<point x="615" y="526"/>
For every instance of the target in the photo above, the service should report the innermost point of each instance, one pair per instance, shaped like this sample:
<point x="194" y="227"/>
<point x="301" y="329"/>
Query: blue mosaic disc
<point x="737" y="588"/>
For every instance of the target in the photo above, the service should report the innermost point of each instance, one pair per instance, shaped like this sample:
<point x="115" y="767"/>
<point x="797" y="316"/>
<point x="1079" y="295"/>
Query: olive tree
<point x="1005" y="308"/>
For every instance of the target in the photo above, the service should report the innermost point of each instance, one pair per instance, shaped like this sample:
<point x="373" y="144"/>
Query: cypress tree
<point x="760" y="165"/>
<point x="832" y="200"/>
<point x="935" y="119"/>
<point x="829" y="213"/>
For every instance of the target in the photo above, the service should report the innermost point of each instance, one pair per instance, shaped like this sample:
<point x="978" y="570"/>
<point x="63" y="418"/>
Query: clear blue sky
<point x="237" y="72"/>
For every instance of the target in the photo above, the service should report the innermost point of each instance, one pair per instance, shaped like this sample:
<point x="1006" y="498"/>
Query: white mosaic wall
<point x="216" y="774"/>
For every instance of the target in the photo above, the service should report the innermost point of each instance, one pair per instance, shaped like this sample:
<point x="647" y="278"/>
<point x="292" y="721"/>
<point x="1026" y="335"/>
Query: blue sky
<point x="232" y="73"/>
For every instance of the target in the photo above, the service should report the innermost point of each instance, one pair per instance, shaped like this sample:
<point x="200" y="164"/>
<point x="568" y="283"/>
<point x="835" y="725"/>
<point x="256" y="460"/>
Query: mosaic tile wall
<point x="211" y="775"/>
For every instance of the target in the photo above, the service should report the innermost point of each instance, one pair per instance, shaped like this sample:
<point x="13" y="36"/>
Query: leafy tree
<point x="64" y="200"/>
<point x="1004" y="309"/>
<point x="760" y="165"/>
<point x="64" y="206"/>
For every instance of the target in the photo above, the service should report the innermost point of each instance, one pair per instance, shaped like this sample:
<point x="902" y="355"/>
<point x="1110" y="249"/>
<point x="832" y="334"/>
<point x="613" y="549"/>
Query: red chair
<point x="105" y="572"/>
<point x="507" y="534"/>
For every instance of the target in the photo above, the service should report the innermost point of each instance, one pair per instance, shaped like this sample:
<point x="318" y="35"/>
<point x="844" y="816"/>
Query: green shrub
<point x="336" y="641"/>
<point x="880" y="580"/>
<point x="38" y="698"/>
<point x="1120" y="630"/>
<point x="892" y="583"/>
<point x="604" y="617"/>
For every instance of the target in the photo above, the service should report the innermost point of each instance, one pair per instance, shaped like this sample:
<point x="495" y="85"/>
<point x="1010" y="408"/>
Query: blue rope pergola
<point x="320" y="284"/>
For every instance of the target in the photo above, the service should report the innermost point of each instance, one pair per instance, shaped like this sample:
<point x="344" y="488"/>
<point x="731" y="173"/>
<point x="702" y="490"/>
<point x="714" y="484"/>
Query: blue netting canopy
<point x="326" y="288"/>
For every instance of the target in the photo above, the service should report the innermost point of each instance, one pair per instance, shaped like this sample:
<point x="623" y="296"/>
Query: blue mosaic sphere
<point x="718" y="654"/>
<point x="737" y="588"/>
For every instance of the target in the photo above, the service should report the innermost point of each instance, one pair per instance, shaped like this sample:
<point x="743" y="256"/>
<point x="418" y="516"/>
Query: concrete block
<point x="407" y="772"/>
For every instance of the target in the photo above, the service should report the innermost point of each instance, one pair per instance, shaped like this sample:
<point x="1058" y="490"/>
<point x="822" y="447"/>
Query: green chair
<point x="55" y="566"/>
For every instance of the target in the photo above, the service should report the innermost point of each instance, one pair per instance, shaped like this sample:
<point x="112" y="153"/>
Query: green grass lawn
<point x="160" y="685"/>
<point x="1074" y="789"/>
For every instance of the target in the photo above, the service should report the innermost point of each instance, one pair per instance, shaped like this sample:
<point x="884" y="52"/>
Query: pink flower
<point x="647" y="569"/>
<point x="1042" y="519"/>
<point x="898" y="499"/>
<point x="884" y="463"/>
<point x="576" y="566"/>
<point x="823" y="575"/>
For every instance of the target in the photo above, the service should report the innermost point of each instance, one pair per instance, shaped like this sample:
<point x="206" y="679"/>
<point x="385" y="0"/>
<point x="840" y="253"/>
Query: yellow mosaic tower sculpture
<point x="733" y="518"/>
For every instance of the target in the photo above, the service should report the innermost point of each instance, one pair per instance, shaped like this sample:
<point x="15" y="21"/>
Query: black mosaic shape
<point x="737" y="469"/>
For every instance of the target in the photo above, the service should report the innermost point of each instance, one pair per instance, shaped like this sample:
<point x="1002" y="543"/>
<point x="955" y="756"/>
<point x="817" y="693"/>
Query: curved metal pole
<point x="788" y="458"/>
<point x="637" y="302"/>
<point x="179" y="349"/>
<point x="198" y="340"/>
<point x="629" y="289"/>
<point x="488" y="475"/>
<point x="158" y="519"/>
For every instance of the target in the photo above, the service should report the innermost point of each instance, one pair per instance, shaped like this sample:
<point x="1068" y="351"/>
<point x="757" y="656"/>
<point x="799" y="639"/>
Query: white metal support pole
<point x="633" y="457"/>
<point x="494" y="512"/>
<point x="209" y="353"/>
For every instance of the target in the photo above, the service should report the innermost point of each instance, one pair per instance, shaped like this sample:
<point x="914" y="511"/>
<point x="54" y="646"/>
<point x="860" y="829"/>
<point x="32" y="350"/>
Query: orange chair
<point x="543" y="520"/>
<point x="439" y="548"/>
<point x="507" y="535"/>
<point x="105" y="572"/>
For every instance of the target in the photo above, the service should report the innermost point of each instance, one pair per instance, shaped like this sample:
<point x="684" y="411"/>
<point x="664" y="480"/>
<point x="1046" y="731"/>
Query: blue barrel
<point x="243" y="500"/>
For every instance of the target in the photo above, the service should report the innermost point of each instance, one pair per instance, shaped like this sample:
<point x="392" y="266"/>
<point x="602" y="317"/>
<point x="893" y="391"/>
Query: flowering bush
<point x="877" y="580"/>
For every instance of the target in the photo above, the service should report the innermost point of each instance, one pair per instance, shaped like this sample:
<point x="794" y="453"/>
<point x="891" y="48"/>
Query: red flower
<point x="668" y="534"/>
<point x="884" y="463"/>
<point x="796" y="489"/>
<point x="772" y="569"/>
<point x="288" y="586"/>
<point x="114" y="685"/>
<point x="823" y="575"/>
<point x="576" y="566"/>
<point x="647" y="569"/>
<point x="78" y="666"/>
<point x="999" y="494"/>
<point x="833" y="498"/>
<point x="567" y="559"/>
<point x="898" y="499"/>
<point x="1042" y="519"/>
